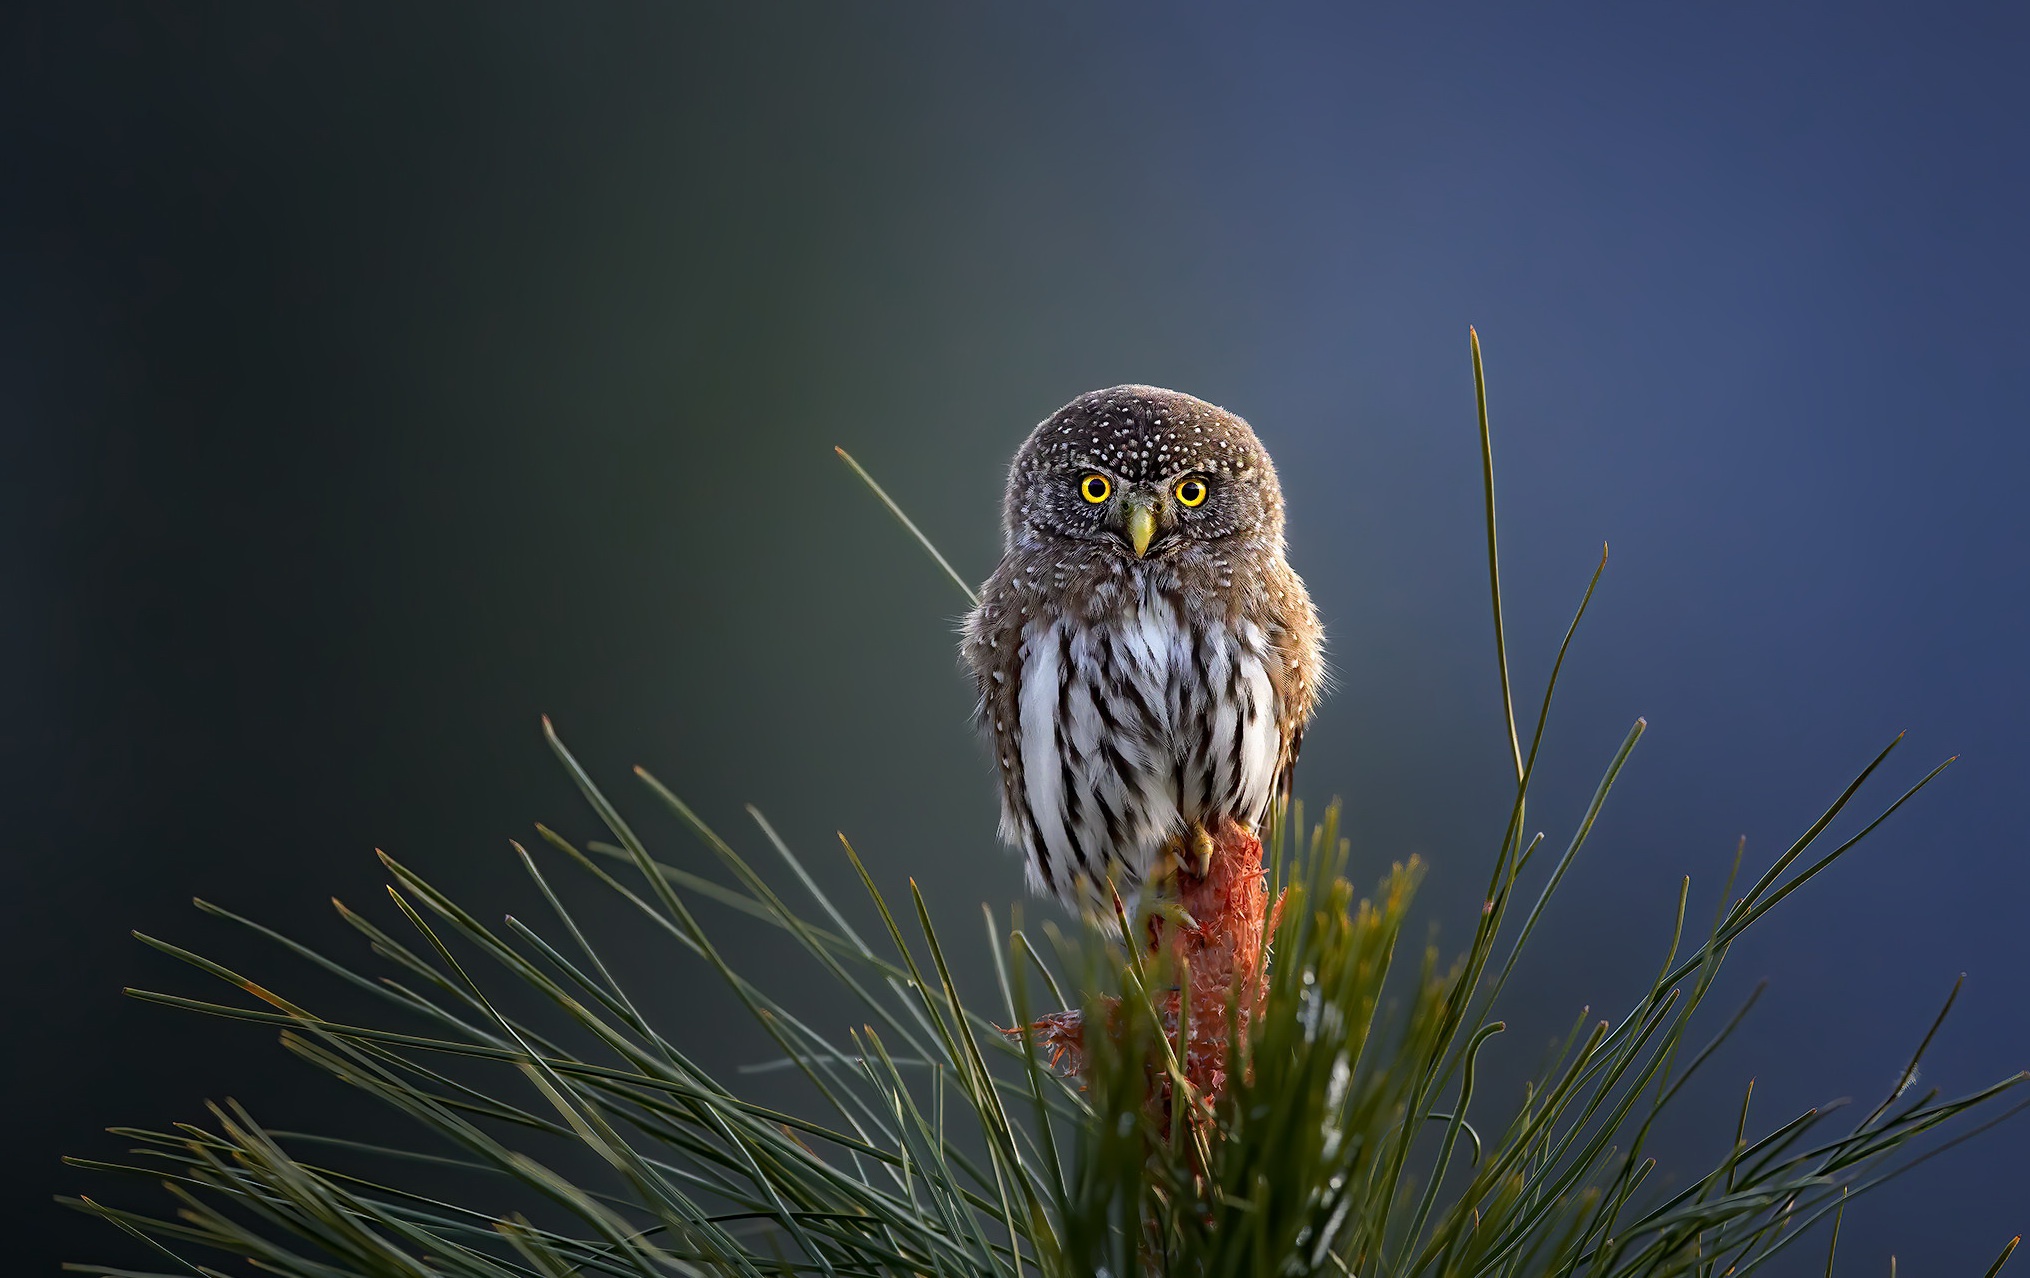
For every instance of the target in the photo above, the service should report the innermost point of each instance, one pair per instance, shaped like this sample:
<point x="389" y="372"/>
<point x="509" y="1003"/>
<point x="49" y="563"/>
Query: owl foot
<point x="1173" y="913"/>
<point x="1198" y="842"/>
<point x="1190" y="852"/>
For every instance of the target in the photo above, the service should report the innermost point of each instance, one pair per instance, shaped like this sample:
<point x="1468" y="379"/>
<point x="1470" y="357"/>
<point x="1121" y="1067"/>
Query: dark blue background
<point x="374" y="379"/>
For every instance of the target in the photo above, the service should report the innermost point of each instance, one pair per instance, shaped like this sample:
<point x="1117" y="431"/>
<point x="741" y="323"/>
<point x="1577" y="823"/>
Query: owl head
<point x="1142" y="472"/>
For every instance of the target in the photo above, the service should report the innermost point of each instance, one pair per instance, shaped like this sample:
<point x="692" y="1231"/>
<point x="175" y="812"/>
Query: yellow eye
<point x="1191" y="492"/>
<point x="1095" y="488"/>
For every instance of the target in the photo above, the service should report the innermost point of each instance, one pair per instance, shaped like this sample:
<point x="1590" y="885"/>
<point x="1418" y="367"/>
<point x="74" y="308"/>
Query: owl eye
<point x="1095" y="488"/>
<point x="1190" y="492"/>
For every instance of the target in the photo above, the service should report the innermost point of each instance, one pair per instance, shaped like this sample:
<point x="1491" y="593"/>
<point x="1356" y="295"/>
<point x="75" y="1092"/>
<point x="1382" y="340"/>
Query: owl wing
<point x="1298" y="641"/>
<point x="991" y="645"/>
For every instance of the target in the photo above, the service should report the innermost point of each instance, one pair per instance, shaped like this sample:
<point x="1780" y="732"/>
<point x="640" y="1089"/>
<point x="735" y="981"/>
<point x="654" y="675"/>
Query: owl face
<point x="1143" y="473"/>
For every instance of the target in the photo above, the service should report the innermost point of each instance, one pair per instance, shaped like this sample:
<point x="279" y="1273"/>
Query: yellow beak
<point x="1141" y="527"/>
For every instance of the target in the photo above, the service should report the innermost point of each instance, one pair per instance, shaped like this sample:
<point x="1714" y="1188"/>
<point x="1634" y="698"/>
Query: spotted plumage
<point x="1146" y="658"/>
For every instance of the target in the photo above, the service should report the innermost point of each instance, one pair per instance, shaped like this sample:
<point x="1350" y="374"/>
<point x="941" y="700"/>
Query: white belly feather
<point x="1131" y="730"/>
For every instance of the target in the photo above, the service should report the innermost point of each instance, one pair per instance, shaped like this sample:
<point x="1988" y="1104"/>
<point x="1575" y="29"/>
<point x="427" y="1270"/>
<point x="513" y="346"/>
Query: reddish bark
<point x="1217" y="950"/>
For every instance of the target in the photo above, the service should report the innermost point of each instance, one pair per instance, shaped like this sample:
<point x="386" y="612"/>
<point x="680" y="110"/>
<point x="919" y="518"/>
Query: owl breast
<point x="1129" y="729"/>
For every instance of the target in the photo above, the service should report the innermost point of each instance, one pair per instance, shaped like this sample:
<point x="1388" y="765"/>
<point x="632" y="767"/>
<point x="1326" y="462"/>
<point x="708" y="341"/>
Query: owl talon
<point x="1177" y="915"/>
<point x="1170" y="858"/>
<point x="1190" y="852"/>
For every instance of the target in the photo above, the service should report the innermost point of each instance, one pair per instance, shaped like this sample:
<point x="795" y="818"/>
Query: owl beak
<point x="1141" y="526"/>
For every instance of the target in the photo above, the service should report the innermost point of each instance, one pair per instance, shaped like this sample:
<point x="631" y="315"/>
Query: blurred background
<point x="376" y="378"/>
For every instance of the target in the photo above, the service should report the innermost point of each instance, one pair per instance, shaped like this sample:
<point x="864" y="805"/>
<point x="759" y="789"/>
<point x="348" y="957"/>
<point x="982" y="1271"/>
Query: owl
<point x="1145" y="656"/>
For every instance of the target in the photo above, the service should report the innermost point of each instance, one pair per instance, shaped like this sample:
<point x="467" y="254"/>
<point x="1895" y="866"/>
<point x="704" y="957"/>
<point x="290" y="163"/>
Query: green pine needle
<point x="586" y="1139"/>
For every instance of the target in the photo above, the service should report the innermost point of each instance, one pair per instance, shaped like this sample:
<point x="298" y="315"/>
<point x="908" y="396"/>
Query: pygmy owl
<point x="1146" y="657"/>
